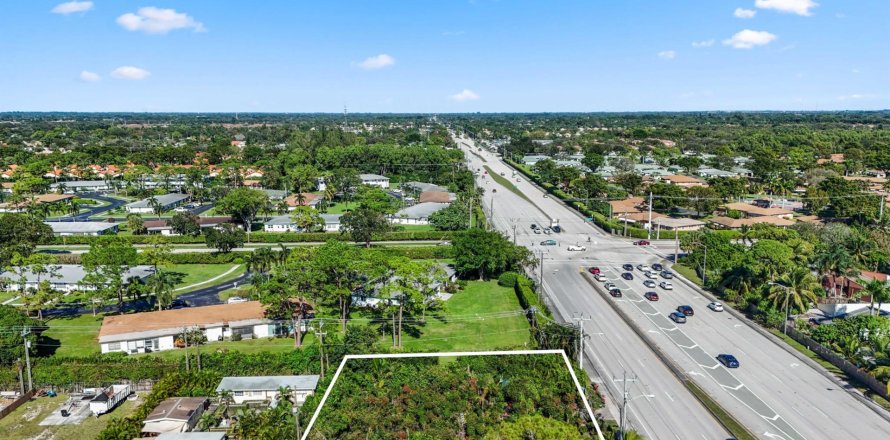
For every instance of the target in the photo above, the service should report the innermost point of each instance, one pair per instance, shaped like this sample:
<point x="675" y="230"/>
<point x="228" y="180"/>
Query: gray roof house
<point x="418" y="214"/>
<point x="168" y="201"/>
<point x="78" y="186"/>
<point x="423" y="186"/>
<point x="534" y="158"/>
<point x="713" y="172"/>
<point x="82" y="228"/>
<point x="275" y="194"/>
<point x="260" y="388"/>
<point x="375" y="180"/>
<point x="68" y="277"/>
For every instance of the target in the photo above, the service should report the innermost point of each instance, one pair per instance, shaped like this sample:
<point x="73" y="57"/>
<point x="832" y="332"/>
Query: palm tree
<point x="225" y="398"/>
<point x="861" y="248"/>
<point x="741" y="278"/>
<point x="879" y="293"/>
<point x="156" y="206"/>
<point x="836" y="261"/>
<point x="161" y="286"/>
<point x="799" y="287"/>
<point x="285" y="395"/>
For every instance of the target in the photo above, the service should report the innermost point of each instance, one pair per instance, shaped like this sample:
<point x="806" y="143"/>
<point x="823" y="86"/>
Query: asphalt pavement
<point x="113" y="203"/>
<point x="774" y="393"/>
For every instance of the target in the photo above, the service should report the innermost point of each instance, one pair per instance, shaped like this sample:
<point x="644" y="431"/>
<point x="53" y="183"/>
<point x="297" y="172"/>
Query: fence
<point x="78" y="387"/>
<point x="16" y="403"/>
<point x="846" y="366"/>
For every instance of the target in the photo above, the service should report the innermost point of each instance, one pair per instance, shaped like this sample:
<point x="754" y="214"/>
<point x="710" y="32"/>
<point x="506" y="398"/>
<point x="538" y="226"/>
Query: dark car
<point x="657" y="267"/>
<point x="534" y="226"/>
<point x="178" y="304"/>
<point x="686" y="310"/>
<point x="616" y="292"/>
<point x="678" y="317"/>
<point x="594" y="270"/>
<point x="627" y="276"/>
<point x="728" y="360"/>
<point x="642" y="242"/>
<point x="628" y="267"/>
<point x="651" y="296"/>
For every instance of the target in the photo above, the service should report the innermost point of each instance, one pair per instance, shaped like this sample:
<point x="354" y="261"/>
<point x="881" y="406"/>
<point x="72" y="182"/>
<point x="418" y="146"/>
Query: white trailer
<point x="109" y="398"/>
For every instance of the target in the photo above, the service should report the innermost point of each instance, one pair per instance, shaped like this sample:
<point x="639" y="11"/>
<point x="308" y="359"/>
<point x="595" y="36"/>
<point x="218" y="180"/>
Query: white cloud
<point x="89" y="76"/>
<point x="377" y="62"/>
<point x="152" y="20"/>
<point x="799" y="7"/>
<point x="855" y="70"/>
<point x="464" y="95"/>
<point x="129" y="72"/>
<point x="747" y="39"/>
<point x="703" y="43"/>
<point x="72" y="7"/>
<point x="744" y="13"/>
<point x="855" y="97"/>
<point x="667" y="54"/>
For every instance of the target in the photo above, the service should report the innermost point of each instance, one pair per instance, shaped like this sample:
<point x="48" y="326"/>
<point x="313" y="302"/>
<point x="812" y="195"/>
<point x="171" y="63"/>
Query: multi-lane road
<point x="775" y="393"/>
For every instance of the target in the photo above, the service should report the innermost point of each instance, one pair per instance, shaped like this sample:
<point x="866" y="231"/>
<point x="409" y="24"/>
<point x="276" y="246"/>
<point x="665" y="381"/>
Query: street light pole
<point x="622" y="427"/>
<point x="580" y="322"/>
<point x="25" y="333"/>
<point x="787" y="305"/>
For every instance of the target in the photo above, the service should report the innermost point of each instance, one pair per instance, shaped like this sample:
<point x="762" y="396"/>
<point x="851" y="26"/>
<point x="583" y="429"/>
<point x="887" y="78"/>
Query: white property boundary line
<point x="453" y="354"/>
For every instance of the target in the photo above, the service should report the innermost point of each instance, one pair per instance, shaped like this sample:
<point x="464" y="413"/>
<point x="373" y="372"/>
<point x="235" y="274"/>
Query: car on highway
<point x="728" y="360"/>
<point x="546" y="196"/>
<point x="651" y="296"/>
<point x="518" y="180"/>
<point x="678" y="317"/>
<point x="536" y="231"/>
<point x="494" y="190"/>
<point x="548" y="243"/>
<point x="628" y="267"/>
<point x="715" y="306"/>
<point x="616" y="292"/>
<point x="594" y="270"/>
<point x="600" y="277"/>
<point x="666" y="285"/>
<point x="649" y="283"/>
<point x="651" y="275"/>
<point x="666" y="274"/>
<point x="686" y="310"/>
<point x="642" y="267"/>
<point x="503" y="174"/>
<point x="534" y="226"/>
<point x="547" y="231"/>
<point x="576" y="247"/>
<point x="609" y="286"/>
<point x="627" y="276"/>
<point x="642" y="243"/>
<point x="657" y="267"/>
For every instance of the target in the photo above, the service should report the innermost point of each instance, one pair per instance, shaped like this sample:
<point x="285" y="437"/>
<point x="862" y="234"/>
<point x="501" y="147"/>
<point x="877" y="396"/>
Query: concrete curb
<point x="775" y="340"/>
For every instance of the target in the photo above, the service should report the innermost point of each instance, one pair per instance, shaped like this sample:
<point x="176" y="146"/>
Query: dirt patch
<point x="46" y="434"/>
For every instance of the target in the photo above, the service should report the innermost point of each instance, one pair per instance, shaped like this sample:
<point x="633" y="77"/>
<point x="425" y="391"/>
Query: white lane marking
<point x="771" y="435"/>
<point x="736" y="389"/>
<point x="669" y="396"/>
<point x="694" y="373"/>
<point x="689" y="347"/>
<point x="794" y="365"/>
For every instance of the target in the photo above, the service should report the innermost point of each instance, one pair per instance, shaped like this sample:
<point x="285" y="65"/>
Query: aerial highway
<point x="774" y="393"/>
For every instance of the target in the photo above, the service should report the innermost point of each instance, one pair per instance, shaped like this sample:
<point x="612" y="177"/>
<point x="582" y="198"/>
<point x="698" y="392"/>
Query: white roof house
<point x="285" y="223"/>
<point x="418" y="214"/>
<point x="167" y="201"/>
<point x="77" y="186"/>
<point x="68" y="277"/>
<point x="261" y="388"/>
<point x="82" y="228"/>
<point x="534" y="158"/>
<point x="374" y="180"/>
<point x="424" y="187"/>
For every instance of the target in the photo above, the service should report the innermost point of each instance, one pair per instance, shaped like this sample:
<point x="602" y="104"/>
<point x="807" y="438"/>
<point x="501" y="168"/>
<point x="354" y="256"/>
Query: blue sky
<point x="444" y="56"/>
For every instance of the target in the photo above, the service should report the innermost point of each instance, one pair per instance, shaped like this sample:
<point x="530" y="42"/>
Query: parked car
<point x="642" y="267"/>
<point x="649" y="283"/>
<point x="616" y="292"/>
<point x="715" y="306"/>
<point x="235" y="300"/>
<point x="666" y="285"/>
<point x="627" y="276"/>
<point x="593" y="270"/>
<point x="728" y="360"/>
<point x="548" y="243"/>
<point x="178" y="304"/>
<point x="678" y="317"/>
<point x="657" y="267"/>
<point x="600" y="277"/>
<point x="651" y="296"/>
<point x="546" y="196"/>
<point x="642" y="243"/>
<point x="576" y="247"/>
<point x="686" y="310"/>
<point x="666" y="274"/>
<point x="628" y="267"/>
<point x="444" y="243"/>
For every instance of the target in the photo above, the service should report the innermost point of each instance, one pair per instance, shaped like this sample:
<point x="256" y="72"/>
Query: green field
<point x="196" y="273"/>
<point x="22" y="424"/>
<point x="75" y="336"/>
<point x="505" y="182"/>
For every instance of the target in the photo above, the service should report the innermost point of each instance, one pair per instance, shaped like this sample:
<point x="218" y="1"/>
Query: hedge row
<point x="412" y="252"/>
<point x="269" y="237"/>
<point x="525" y="293"/>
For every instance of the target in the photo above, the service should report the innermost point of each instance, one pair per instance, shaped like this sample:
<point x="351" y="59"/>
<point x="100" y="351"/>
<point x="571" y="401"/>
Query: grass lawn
<point x="262" y="345"/>
<point x="505" y="182"/>
<point x="339" y="208"/>
<point x="22" y="424"/>
<point x="415" y="228"/>
<point x="196" y="273"/>
<point x="74" y="336"/>
<point x="7" y="294"/>
<point x="471" y="322"/>
<point x="688" y="273"/>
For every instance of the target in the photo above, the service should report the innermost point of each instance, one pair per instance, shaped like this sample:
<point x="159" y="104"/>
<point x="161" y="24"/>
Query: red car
<point x="594" y="270"/>
<point x="651" y="296"/>
<point x="642" y="243"/>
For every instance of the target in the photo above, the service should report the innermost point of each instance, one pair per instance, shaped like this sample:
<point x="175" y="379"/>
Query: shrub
<point x="508" y="279"/>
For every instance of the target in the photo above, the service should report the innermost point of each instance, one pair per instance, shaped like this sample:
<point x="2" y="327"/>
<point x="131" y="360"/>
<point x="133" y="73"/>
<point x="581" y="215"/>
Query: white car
<point x="643" y="267"/>
<point x="235" y="300"/>
<point x="600" y="277"/>
<point x="576" y="247"/>
<point x="666" y="285"/>
<point x="715" y="306"/>
<point x="651" y="275"/>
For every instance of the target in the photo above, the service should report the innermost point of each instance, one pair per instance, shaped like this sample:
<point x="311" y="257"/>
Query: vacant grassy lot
<point x="23" y="423"/>
<point x="196" y="273"/>
<point x="74" y="336"/>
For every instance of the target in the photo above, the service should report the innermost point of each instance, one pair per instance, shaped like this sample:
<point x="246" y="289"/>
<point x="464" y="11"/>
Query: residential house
<point x="265" y="388"/>
<point x="749" y="210"/>
<point x="714" y="172"/>
<point x="166" y="201"/>
<point x="683" y="181"/>
<point x="423" y="187"/>
<point x="418" y="214"/>
<point x="437" y="197"/>
<point x="164" y="227"/>
<point x="82" y="186"/>
<point x="374" y="180"/>
<point x="832" y="158"/>
<point x="676" y="224"/>
<point x="67" y="277"/>
<point x="83" y="228"/>
<point x="846" y="295"/>
<point x="532" y="159"/>
<point x="735" y="224"/>
<point x="275" y="194"/>
<point x="7" y="187"/>
<point x="239" y="141"/>
<point x="880" y="174"/>
<point x="285" y="223"/>
<point x="215" y="435"/>
<point x="157" y="331"/>
<point x="176" y="414"/>
<point x="42" y="199"/>
<point x="630" y="205"/>
<point x="308" y="199"/>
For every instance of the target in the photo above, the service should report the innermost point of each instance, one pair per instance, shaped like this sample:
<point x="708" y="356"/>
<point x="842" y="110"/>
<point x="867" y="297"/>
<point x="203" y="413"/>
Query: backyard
<point x="23" y="423"/>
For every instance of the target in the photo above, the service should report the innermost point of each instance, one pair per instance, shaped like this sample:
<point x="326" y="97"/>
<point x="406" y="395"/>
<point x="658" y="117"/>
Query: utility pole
<point x="185" y="337"/>
<point x="622" y="427"/>
<point x="704" y="271"/>
<point x="25" y="333"/>
<point x="297" y="420"/>
<point x="321" y="334"/>
<point x="649" y="233"/>
<point x="676" y="246"/>
<point x="881" y="209"/>
<point x="514" y="220"/>
<point x="579" y="320"/>
<point x="541" y="270"/>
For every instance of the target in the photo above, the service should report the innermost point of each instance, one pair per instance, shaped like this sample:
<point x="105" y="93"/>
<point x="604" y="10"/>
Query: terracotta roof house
<point x="732" y="223"/>
<point x="626" y="206"/>
<point x="833" y="158"/>
<point x="684" y="181"/>
<point x="437" y="197"/>
<point x="309" y="199"/>
<point x="751" y="211"/>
